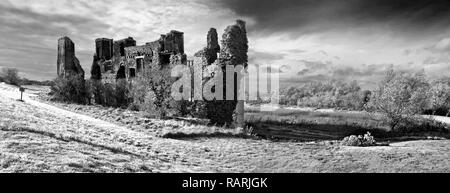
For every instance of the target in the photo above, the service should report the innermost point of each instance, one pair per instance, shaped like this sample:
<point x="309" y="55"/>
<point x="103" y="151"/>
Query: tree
<point x="400" y="96"/>
<point x="11" y="76"/>
<point x="70" y="89"/>
<point x="439" y="97"/>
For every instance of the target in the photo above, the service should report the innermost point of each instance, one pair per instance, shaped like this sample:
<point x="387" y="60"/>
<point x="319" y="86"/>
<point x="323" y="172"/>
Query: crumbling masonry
<point x="123" y="59"/>
<point x="233" y="51"/>
<point x="67" y="63"/>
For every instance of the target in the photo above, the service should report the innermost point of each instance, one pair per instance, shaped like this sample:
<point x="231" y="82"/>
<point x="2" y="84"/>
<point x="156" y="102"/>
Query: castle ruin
<point x="67" y="63"/>
<point x="124" y="59"/>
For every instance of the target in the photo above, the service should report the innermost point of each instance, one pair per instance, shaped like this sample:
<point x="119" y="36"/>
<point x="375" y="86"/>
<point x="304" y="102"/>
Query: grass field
<point x="310" y="125"/>
<point x="42" y="136"/>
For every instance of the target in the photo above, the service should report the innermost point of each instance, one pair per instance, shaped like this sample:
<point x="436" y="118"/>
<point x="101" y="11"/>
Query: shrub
<point x="439" y="97"/>
<point x="422" y="125"/>
<point x="400" y="97"/>
<point x="151" y="93"/>
<point x="122" y="93"/>
<point x="95" y="88"/>
<point x="70" y="89"/>
<point x="359" y="141"/>
<point x="329" y="94"/>
<point x="221" y="112"/>
<point x="108" y="95"/>
<point x="112" y="94"/>
<point x="11" y="76"/>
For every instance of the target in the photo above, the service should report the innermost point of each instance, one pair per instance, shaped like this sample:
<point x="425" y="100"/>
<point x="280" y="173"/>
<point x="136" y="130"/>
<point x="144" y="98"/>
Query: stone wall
<point x="233" y="51"/>
<point x="137" y="59"/>
<point x="104" y="48"/>
<point x="173" y="42"/>
<point x="120" y="45"/>
<point x="67" y="63"/>
<point x="152" y="63"/>
<point x="96" y="72"/>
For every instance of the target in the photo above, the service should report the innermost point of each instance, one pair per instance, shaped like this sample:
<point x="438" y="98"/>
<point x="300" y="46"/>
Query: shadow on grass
<point x="413" y="130"/>
<point x="198" y="135"/>
<point x="304" y="131"/>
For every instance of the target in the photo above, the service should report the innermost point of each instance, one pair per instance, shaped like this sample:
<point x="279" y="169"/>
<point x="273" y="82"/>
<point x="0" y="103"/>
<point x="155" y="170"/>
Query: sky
<point x="306" y="39"/>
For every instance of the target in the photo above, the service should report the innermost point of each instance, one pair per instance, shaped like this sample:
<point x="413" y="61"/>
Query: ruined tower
<point x="120" y="45"/>
<point x="234" y="45"/>
<point x="96" y="72"/>
<point x="173" y="42"/>
<point x="67" y="62"/>
<point x="104" y="48"/>
<point x="232" y="52"/>
<point x="212" y="47"/>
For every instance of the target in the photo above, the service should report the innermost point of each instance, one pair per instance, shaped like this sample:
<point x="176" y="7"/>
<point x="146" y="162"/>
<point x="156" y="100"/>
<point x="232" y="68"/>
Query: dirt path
<point x="38" y="137"/>
<point x="13" y="93"/>
<point x="34" y="118"/>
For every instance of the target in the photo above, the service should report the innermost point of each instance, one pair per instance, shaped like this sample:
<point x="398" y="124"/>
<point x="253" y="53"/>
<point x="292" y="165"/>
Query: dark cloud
<point x="264" y="57"/>
<point x="315" y="65"/>
<point x="31" y="41"/>
<point x="303" y="72"/>
<point x="362" y="71"/>
<point x="432" y="60"/>
<point x="308" y="16"/>
<point x="269" y="69"/>
<point x="439" y="53"/>
<point x="285" y="67"/>
<point x="296" y="51"/>
<point x="440" y="47"/>
<point x="323" y="52"/>
<point x="407" y="52"/>
<point x="322" y="71"/>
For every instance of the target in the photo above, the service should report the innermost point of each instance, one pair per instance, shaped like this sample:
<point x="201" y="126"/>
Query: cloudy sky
<point x="306" y="39"/>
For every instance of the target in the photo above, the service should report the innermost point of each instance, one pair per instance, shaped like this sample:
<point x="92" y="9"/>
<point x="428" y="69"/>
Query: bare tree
<point x="11" y="76"/>
<point x="439" y="96"/>
<point x="400" y="96"/>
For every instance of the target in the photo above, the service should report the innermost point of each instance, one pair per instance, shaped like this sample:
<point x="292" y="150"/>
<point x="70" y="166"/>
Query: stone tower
<point x="67" y="63"/>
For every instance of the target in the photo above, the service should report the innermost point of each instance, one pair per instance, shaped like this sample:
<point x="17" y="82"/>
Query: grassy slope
<point x="36" y="140"/>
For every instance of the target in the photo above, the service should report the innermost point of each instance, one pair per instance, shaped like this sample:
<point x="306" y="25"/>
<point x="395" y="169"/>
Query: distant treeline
<point x="397" y="88"/>
<point x="11" y="76"/>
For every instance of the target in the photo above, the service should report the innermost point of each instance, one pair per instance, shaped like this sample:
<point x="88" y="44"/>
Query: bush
<point x="421" y="126"/>
<point x="221" y="112"/>
<point x="11" y="76"/>
<point x="400" y="97"/>
<point x="152" y="93"/>
<point x="113" y="94"/>
<point x="70" y="89"/>
<point x="359" y="141"/>
<point x="94" y="88"/>
<point x="330" y="94"/>
<point x="439" y="98"/>
<point x="122" y="93"/>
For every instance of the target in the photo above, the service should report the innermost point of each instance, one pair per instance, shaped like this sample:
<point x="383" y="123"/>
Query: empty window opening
<point x="132" y="72"/>
<point x="121" y="73"/>
<point x="139" y="64"/>
<point x="164" y="58"/>
<point x="122" y="49"/>
<point x="108" y="67"/>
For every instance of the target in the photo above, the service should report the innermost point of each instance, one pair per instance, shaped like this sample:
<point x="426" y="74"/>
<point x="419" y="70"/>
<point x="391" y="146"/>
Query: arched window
<point x="121" y="73"/>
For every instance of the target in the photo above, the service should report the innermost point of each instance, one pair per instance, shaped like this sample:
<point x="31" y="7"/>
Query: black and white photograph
<point x="224" y="86"/>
